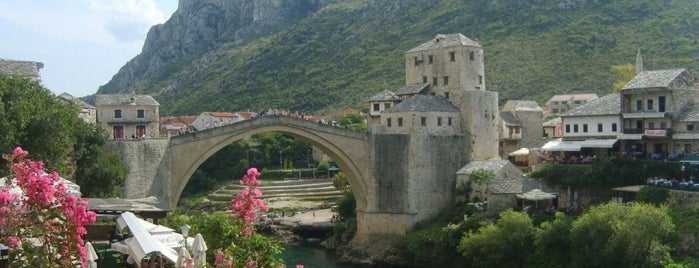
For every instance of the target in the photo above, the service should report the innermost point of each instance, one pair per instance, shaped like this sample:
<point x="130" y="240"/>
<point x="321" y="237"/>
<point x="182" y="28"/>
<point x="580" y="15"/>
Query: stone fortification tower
<point x="452" y="66"/>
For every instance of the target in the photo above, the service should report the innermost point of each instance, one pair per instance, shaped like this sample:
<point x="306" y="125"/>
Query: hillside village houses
<point x="562" y="103"/>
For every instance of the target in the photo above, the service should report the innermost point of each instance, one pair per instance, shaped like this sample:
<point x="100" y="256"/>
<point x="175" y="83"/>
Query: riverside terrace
<point x="675" y="184"/>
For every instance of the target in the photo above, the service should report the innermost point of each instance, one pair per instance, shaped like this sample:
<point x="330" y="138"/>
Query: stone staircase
<point x="305" y="190"/>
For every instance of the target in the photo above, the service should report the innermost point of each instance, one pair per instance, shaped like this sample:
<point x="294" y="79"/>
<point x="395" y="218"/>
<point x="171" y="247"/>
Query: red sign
<point x="656" y="132"/>
<point x="559" y="130"/>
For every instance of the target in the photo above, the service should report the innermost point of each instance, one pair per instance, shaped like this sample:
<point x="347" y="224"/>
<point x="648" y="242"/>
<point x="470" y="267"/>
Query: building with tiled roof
<point x="128" y="116"/>
<point x="379" y="103"/>
<point x="207" y="120"/>
<point x="87" y="113"/>
<point x="28" y="69"/>
<point x="520" y="126"/>
<point x="592" y="128"/>
<point x="553" y="128"/>
<point x="176" y="125"/>
<point x="561" y="103"/>
<point x="651" y="104"/>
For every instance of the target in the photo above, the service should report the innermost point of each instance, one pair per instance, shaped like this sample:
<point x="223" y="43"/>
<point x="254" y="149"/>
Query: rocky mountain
<point x="317" y="55"/>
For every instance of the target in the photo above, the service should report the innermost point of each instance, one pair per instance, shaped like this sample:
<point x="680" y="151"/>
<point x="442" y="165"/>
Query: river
<point x="311" y="256"/>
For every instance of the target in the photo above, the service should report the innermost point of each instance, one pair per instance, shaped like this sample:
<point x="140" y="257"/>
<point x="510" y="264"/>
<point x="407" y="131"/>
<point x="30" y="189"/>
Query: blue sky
<point x="82" y="43"/>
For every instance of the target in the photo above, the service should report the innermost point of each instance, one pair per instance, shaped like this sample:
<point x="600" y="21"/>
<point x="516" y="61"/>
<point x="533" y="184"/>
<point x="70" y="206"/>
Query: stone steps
<point x="307" y="190"/>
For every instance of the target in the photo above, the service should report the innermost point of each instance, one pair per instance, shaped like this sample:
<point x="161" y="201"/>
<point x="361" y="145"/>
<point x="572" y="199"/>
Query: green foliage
<point x="653" y="195"/>
<point x="552" y="244"/>
<point x="340" y="182"/>
<point x="624" y="74"/>
<point x="347" y="206"/>
<point x="99" y="174"/>
<point x="617" y="235"/>
<point x="353" y="121"/>
<point x="480" y="177"/>
<point x="507" y="243"/>
<point x="608" y="172"/>
<point x="220" y="232"/>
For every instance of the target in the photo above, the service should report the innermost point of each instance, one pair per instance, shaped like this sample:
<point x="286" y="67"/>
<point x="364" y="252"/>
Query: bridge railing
<point x="272" y="120"/>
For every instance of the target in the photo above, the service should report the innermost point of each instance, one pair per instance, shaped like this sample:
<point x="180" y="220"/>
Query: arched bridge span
<point x="348" y="148"/>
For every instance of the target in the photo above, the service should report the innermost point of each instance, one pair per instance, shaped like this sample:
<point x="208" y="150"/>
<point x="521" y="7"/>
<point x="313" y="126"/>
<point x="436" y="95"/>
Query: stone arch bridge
<point x="397" y="179"/>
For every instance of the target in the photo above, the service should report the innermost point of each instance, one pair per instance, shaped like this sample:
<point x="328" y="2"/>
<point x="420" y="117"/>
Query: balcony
<point x="130" y="121"/>
<point x="647" y="114"/>
<point x="650" y="132"/>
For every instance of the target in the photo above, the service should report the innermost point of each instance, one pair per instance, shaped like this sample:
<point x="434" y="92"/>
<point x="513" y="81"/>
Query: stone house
<point x="659" y="114"/>
<point x="590" y="129"/>
<point x="207" y="120"/>
<point x="553" y="128"/>
<point x="28" y="69"/>
<point x="561" y="103"/>
<point x="87" y="113"/>
<point x="502" y="194"/>
<point x="128" y="116"/>
<point x="380" y="102"/>
<point x="176" y="125"/>
<point x="502" y="169"/>
<point x="520" y="126"/>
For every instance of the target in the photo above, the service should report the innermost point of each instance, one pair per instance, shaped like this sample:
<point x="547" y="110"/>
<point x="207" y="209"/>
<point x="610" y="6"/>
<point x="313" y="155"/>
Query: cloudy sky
<point x="82" y="43"/>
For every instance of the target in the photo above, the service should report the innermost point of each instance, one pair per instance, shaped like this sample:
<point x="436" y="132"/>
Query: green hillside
<point x="352" y="49"/>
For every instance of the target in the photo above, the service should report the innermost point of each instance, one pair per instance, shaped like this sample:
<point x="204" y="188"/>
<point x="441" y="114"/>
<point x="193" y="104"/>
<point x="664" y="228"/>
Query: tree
<point x="507" y="243"/>
<point x="624" y="74"/>
<point x="43" y="224"/>
<point x="31" y="117"/>
<point x="613" y="234"/>
<point x="653" y="195"/>
<point x="99" y="173"/>
<point x="552" y="244"/>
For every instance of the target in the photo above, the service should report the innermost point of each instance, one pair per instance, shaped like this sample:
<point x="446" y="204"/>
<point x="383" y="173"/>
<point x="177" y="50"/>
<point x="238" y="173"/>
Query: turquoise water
<point x="311" y="256"/>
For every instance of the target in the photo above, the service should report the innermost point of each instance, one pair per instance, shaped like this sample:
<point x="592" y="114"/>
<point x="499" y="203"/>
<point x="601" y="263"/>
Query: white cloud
<point x="128" y="20"/>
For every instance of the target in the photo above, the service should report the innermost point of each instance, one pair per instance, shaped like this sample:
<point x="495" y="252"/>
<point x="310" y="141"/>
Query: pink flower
<point x="299" y="266"/>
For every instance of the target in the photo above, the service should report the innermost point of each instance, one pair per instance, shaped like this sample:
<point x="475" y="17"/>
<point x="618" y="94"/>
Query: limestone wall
<point x="142" y="158"/>
<point x="479" y="116"/>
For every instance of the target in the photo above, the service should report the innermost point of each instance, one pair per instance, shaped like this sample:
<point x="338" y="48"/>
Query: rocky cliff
<point x="201" y="26"/>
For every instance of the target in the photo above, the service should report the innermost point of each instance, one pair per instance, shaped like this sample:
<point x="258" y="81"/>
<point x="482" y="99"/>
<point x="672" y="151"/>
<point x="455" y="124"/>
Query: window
<point x="663" y="125"/>
<point x="400" y="121"/>
<point x="651" y="125"/>
<point x="554" y="103"/>
<point x="584" y="128"/>
<point x="423" y="121"/>
<point x="471" y="55"/>
<point x="446" y="80"/>
<point x="690" y="127"/>
<point x="387" y="105"/>
<point x="446" y="95"/>
<point x="452" y="56"/>
<point x="577" y="102"/>
<point x="388" y="122"/>
<point x="141" y="131"/>
<point x="600" y="128"/>
<point x="118" y="132"/>
<point x="661" y="104"/>
<point x="448" y="121"/>
<point x="117" y="113"/>
<point x="480" y="79"/>
<point x="614" y="127"/>
<point x="424" y="79"/>
<point x="688" y="148"/>
<point x="575" y="128"/>
<point x="434" y="81"/>
<point x="439" y="121"/>
<point x="639" y="105"/>
<point x="376" y="107"/>
<point x="567" y="128"/>
<point x="141" y="113"/>
<point x="649" y="104"/>
<point x="429" y="58"/>
<point x="417" y="61"/>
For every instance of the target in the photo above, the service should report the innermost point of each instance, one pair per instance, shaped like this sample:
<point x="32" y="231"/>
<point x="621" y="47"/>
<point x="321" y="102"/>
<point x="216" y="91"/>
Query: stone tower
<point x="452" y="66"/>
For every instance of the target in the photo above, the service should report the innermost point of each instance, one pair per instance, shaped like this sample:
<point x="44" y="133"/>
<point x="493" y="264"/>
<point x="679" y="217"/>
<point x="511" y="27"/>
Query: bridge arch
<point x="348" y="148"/>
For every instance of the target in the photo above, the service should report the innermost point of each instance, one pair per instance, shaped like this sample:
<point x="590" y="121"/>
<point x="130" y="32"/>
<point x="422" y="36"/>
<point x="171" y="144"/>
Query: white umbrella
<point x="199" y="250"/>
<point x="182" y="257"/>
<point x="91" y="257"/>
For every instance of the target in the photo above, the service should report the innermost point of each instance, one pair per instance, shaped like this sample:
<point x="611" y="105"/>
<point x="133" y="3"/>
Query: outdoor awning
<point x="142" y="243"/>
<point x="599" y="143"/>
<point x="560" y="145"/>
<point x="692" y="159"/>
<point x="523" y="151"/>
<point x="536" y="195"/>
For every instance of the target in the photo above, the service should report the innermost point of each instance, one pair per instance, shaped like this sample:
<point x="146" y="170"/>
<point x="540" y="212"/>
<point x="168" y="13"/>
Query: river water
<point x="311" y="256"/>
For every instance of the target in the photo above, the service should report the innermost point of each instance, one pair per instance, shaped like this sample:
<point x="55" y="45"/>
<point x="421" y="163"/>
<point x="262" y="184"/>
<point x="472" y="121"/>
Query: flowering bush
<point x="41" y="224"/>
<point x="249" y="249"/>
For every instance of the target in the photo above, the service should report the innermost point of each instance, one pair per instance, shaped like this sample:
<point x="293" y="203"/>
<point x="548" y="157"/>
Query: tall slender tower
<point x="639" y="61"/>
